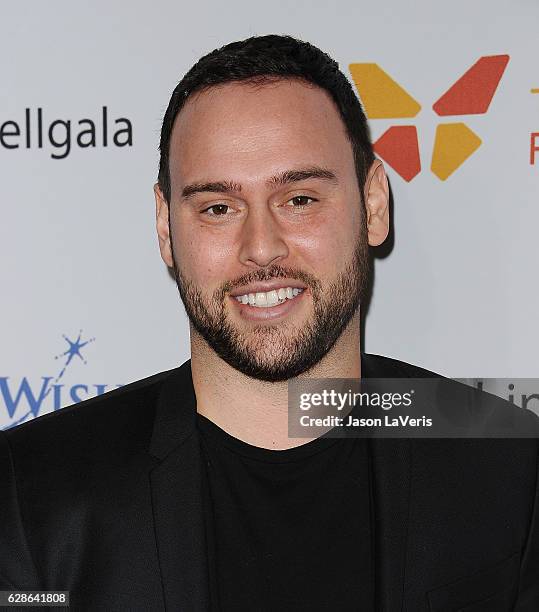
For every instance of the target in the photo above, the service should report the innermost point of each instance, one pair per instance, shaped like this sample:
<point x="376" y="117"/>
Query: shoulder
<point x="114" y="423"/>
<point x="90" y="455"/>
<point x="460" y="403"/>
<point x="378" y="366"/>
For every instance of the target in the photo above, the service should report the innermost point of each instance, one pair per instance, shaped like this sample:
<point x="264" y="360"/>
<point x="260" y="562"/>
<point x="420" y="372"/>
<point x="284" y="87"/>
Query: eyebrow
<point x="216" y="187"/>
<point x="279" y="180"/>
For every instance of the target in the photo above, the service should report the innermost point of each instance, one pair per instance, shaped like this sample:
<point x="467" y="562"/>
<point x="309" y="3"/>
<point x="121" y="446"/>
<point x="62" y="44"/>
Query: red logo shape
<point x="473" y="92"/>
<point x="399" y="147"/>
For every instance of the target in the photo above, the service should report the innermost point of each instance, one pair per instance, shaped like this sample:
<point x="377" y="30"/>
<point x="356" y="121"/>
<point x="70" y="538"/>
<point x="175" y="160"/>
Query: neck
<point x="256" y="411"/>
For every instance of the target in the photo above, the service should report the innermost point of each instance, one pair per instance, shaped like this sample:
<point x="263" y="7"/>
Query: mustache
<point x="266" y="274"/>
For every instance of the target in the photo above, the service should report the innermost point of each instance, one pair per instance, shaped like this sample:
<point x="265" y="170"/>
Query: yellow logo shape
<point x="382" y="97"/>
<point x="453" y="144"/>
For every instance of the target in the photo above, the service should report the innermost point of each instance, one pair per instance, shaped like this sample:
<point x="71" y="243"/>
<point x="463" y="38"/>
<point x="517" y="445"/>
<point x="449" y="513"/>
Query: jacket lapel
<point x="391" y="475"/>
<point x="176" y="493"/>
<point x="391" y="483"/>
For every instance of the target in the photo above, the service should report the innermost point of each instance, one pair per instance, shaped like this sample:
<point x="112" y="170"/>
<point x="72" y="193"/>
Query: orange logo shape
<point x="384" y="98"/>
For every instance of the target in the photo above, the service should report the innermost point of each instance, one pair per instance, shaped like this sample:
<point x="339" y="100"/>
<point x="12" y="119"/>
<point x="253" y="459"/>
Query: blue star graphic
<point x="74" y="350"/>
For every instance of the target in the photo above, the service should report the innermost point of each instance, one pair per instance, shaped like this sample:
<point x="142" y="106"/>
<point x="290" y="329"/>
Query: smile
<point x="268" y="299"/>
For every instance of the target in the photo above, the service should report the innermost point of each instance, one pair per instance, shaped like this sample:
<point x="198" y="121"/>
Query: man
<point x="183" y="491"/>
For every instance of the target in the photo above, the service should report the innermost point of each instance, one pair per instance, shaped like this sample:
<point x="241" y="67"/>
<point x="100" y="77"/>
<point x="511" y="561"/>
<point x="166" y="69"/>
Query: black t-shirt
<point x="288" y="529"/>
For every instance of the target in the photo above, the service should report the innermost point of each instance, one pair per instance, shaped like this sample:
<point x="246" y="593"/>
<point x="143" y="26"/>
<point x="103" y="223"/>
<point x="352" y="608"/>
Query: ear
<point x="163" y="231"/>
<point x="376" y="193"/>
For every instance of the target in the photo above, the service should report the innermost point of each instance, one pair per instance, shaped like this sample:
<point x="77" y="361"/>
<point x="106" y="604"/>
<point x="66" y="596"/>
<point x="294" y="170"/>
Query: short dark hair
<point x="260" y="58"/>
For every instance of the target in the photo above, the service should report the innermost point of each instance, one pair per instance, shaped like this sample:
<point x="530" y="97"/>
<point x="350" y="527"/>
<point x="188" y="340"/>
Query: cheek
<point x="326" y="245"/>
<point x="203" y="256"/>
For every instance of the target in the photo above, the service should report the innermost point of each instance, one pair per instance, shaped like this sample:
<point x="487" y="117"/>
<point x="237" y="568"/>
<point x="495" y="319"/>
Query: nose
<point x="262" y="241"/>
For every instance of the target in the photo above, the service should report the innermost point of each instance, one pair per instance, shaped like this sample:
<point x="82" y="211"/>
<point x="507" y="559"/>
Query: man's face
<point x="267" y="233"/>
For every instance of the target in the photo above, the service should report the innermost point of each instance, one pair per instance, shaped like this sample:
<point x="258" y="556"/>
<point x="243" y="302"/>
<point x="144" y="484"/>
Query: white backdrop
<point x="457" y="294"/>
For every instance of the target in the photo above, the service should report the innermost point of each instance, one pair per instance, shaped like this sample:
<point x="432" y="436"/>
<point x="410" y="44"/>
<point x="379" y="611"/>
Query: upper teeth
<point x="265" y="299"/>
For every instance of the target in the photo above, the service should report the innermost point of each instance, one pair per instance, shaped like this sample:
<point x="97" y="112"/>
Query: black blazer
<point x="104" y="499"/>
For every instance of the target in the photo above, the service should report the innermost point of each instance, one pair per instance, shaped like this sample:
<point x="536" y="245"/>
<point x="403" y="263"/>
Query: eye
<point x="219" y="210"/>
<point x="300" y="201"/>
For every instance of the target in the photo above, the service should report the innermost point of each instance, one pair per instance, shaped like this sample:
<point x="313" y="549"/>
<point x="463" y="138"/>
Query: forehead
<point x="247" y="132"/>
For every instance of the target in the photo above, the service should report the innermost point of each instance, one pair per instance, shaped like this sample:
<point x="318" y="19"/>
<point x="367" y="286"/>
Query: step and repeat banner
<point x="451" y="91"/>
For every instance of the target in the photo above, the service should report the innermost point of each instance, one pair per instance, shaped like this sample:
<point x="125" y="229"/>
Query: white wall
<point x="458" y="292"/>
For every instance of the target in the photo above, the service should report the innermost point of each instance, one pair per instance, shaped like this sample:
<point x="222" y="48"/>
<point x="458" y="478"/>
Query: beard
<point x="281" y="351"/>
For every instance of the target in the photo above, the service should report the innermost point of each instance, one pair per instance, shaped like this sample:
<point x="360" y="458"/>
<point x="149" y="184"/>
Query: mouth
<point x="267" y="299"/>
<point x="264" y="305"/>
